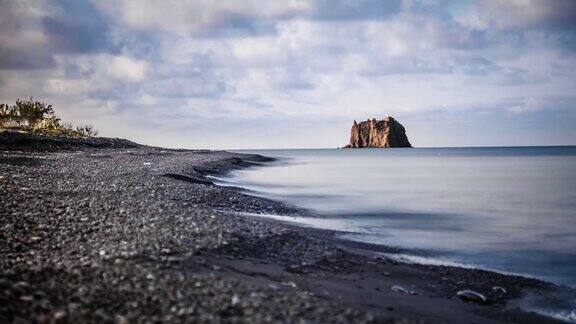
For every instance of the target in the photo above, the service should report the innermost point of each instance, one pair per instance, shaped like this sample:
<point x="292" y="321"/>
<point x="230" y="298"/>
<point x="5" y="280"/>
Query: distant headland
<point x="378" y="133"/>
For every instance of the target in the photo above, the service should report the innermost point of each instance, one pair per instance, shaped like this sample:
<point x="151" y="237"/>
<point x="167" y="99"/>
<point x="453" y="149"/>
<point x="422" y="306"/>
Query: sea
<point x="508" y="209"/>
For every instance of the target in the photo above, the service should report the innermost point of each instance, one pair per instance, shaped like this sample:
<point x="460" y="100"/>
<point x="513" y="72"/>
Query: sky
<point x="234" y="74"/>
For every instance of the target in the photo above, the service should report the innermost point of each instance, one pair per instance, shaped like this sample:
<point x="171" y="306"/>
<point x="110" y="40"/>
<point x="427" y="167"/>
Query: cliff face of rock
<point x="378" y="133"/>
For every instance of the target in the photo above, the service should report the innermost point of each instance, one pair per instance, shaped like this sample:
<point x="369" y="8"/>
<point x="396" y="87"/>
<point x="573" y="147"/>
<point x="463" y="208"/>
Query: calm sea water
<point x="511" y="209"/>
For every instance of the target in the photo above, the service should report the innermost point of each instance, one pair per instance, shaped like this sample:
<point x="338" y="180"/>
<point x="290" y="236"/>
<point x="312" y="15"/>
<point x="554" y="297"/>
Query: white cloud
<point x="94" y="73"/>
<point x="123" y="67"/>
<point x="68" y="87"/>
<point x="189" y="87"/>
<point x="246" y="62"/>
<point x="522" y="14"/>
<point x="200" y="16"/>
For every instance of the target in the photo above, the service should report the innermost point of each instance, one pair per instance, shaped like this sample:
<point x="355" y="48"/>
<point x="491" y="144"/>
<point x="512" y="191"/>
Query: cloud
<point x="21" y="37"/>
<point x="521" y="14"/>
<point x="354" y="10"/>
<point x="185" y="88"/>
<point x="231" y="18"/>
<point x="124" y="67"/>
<point x="204" y="17"/>
<point x="101" y="75"/>
<point x="75" y="26"/>
<point x="34" y="31"/>
<point x="520" y="105"/>
<point x="128" y="64"/>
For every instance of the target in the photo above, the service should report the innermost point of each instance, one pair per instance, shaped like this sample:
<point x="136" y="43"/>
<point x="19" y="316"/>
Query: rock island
<point x="378" y="133"/>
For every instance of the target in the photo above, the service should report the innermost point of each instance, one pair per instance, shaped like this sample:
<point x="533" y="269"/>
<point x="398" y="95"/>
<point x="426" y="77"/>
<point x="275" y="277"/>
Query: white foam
<point x="566" y="316"/>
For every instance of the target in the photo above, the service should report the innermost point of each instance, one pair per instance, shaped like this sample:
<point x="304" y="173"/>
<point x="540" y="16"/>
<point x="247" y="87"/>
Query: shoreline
<point x="418" y="256"/>
<point x="129" y="233"/>
<point x="444" y="279"/>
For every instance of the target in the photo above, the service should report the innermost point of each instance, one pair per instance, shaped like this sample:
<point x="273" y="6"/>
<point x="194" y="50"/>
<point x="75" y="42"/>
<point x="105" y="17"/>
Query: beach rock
<point x="471" y="296"/>
<point x="378" y="133"/>
<point x="399" y="289"/>
<point x="499" y="289"/>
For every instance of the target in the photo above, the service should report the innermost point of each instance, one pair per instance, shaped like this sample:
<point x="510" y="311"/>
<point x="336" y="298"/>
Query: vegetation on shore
<point x="34" y="116"/>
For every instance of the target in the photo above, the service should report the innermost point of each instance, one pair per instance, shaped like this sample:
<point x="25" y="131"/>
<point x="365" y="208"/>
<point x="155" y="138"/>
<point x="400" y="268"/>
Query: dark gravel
<point x="128" y="233"/>
<point x="102" y="235"/>
<point x="19" y="141"/>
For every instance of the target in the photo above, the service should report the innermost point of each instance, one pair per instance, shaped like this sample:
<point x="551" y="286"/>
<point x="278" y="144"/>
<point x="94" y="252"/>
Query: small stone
<point x="399" y="289"/>
<point x="235" y="300"/>
<point x="121" y="319"/>
<point x="185" y="311"/>
<point x="471" y="296"/>
<point x="27" y="298"/>
<point x="291" y="284"/>
<point x="102" y="253"/>
<point x="499" y="289"/>
<point x="59" y="314"/>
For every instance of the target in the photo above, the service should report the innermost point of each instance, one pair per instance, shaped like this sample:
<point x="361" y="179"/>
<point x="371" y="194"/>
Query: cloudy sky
<point x="296" y="73"/>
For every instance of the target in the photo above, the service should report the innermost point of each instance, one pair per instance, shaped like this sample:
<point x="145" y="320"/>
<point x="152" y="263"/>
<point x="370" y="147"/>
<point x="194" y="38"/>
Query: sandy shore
<point x="111" y="231"/>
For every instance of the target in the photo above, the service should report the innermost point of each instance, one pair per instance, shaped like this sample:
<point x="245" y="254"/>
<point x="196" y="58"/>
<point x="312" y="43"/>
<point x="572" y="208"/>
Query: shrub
<point x="48" y="125"/>
<point x="37" y="116"/>
<point x="87" y="130"/>
<point x="7" y="111"/>
<point x="67" y="129"/>
<point x="33" y="110"/>
<point x="8" y="116"/>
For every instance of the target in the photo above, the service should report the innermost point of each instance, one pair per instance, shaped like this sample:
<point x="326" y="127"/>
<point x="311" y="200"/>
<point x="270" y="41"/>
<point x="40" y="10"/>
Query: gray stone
<point x="471" y="296"/>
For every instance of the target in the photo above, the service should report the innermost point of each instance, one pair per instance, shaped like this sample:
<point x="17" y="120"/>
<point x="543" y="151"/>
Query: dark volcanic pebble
<point x="106" y="230"/>
<point x="471" y="296"/>
<point x="108" y="234"/>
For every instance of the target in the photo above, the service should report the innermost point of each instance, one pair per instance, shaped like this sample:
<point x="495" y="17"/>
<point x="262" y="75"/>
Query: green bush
<point x="37" y="116"/>
<point x="48" y="125"/>
<point x="8" y="116"/>
<point x="7" y="111"/>
<point x="33" y="110"/>
<point x="67" y="129"/>
<point x="87" y="130"/>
